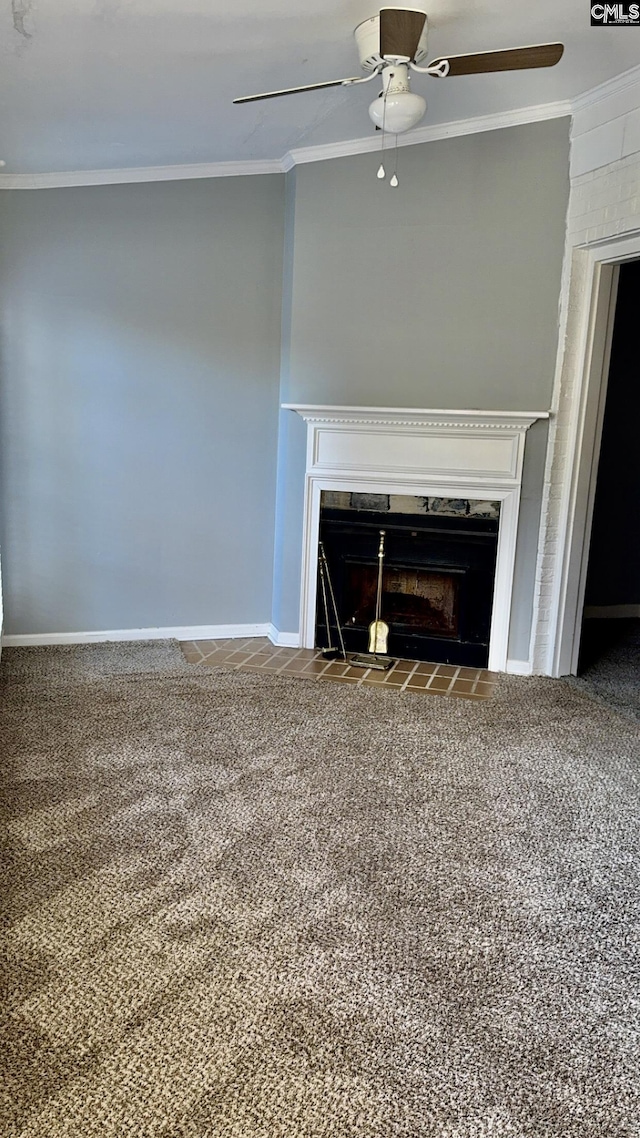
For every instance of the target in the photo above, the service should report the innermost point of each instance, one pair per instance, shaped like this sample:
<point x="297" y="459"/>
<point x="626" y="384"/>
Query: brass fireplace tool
<point x="376" y="657"/>
<point x="378" y="629"/>
<point x="330" y="652"/>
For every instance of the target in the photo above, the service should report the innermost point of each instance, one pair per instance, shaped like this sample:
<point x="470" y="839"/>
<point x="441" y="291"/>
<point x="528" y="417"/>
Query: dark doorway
<point x="610" y="643"/>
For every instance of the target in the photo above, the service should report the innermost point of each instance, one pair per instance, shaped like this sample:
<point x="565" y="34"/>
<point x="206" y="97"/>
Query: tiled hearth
<point x="259" y="655"/>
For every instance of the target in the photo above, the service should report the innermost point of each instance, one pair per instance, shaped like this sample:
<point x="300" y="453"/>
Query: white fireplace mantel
<point x="412" y="416"/>
<point x="472" y="454"/>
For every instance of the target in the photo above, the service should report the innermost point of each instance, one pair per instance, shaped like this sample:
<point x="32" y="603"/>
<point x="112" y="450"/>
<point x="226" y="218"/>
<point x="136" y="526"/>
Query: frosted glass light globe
<point x="401" y="112"/>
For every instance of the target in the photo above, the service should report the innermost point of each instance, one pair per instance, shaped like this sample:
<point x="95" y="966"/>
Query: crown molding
<point x="454" y="129"/>
<point x="57" y="180"/>
<point x="605" y="90"/>
<point x="458" y="127"/>
<point x="302" y="155"/>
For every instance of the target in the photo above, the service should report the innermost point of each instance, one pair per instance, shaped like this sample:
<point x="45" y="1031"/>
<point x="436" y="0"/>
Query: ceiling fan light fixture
<point x="399" y="112"/>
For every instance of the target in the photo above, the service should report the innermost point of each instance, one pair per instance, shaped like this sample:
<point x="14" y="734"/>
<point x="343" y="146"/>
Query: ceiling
<point x="111" y="84"/>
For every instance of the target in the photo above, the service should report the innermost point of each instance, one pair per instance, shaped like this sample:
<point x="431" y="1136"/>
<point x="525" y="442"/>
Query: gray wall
<point x="139" y="403"/>
<point x="291" y="449"/>
<point x="143" y="339"/>
<point x="441" y="293"/>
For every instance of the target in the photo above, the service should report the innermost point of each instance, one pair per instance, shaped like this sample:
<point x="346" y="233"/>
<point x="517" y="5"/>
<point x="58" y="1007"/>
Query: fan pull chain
<point x="381" y="173"/>
<point x="381" y="170"/>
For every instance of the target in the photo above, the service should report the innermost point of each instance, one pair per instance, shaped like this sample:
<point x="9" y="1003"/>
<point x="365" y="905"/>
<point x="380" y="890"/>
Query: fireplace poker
<point x="330" y="652"/>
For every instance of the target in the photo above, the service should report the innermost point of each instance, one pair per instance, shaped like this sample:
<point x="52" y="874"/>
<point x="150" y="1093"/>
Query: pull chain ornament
<point x="394" y="176"/>
<point x="381" y="170"/>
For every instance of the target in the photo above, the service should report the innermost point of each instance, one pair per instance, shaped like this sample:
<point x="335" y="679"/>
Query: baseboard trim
<point x="192" y="632"/>
<point x="179" y="632"/>
<point x="283" y="639"/>
<point x="611" y="612"/>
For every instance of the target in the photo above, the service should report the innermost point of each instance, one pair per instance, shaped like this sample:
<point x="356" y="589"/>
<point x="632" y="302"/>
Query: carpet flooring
<point x="610" y="667"/>
<point x="246" y="906"/>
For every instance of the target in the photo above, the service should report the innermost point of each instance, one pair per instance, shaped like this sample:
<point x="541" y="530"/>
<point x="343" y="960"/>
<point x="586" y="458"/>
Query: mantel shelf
<point x="416" y="416"/>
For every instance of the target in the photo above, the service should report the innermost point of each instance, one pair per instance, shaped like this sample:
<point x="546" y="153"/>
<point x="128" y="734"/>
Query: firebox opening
<point x="420" y="598"/>
<point x="438" y="573"/>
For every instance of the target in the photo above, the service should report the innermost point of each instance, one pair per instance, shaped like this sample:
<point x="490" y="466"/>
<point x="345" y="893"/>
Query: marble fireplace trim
<point x="449" y="454"/>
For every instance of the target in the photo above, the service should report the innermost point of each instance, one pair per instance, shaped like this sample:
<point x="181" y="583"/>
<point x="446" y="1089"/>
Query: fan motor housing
<point x="367" y="35"/>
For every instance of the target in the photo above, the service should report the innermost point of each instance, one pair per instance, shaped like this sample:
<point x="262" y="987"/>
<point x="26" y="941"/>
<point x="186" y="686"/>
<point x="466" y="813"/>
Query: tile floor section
<point x="259" y="655"/>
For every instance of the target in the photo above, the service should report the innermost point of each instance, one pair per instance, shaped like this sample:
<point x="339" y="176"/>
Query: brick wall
<point x="603" y="203"/>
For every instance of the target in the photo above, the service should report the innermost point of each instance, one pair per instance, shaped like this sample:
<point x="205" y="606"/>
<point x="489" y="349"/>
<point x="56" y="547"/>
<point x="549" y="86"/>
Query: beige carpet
<point x="611" y="670"/>
<point x="240" y="906"/>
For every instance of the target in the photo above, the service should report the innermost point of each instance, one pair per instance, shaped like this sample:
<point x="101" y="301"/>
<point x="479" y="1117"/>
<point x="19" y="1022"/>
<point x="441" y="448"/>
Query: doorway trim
<point x="592" y="295"/>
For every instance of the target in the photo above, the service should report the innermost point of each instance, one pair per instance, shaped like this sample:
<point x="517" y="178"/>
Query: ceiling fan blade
<point x="295" y="90"/>
<point x="400" y="31"/>
<point x="514" y="59"/>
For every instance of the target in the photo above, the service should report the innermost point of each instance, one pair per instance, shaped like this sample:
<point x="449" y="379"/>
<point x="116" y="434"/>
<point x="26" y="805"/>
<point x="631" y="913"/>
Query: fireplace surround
<point x="475" y="456"/>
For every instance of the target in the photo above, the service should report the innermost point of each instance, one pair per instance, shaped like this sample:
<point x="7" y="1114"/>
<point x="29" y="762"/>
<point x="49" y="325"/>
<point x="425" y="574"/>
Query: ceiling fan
<point x="394" y="42"/>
